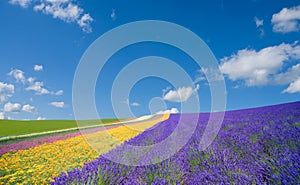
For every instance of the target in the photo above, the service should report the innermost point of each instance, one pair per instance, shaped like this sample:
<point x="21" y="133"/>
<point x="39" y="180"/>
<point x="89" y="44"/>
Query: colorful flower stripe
<point x="29" y="143"/>
<point x="254" y="146"/>
<point x="38" y="141"/>
<point x="38" y="165"/>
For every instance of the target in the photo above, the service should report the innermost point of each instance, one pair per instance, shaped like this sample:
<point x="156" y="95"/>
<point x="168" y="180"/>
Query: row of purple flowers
<point x="254" y="146"/>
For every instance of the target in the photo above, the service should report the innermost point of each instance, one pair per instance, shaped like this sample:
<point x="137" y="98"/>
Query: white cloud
<point x="22" y="3"/>
<point x="287" y="20"/>
<point x="182" y="94"/>
<point x="38" y="88"/>
<point x="40" y="118"/>
<point x="84" y="23"/>
<point x="287" y="77"/>
<point x="39" y="7"/>
<point x="258" y="22"/>
<point x="171" y="111"/>
<point x="134" y="104"/>
<point x="58" y="104"/>
<point x="30" y="80"/>
<point x="259" y="67"/>
<point x="294" y="87"/>
<point x="29" y="108"/>
<point x="58" y="93"/>
<point x="12" y="107"/>
<point x="166" y="90"/>
<point x="2" y="115"/>
<point x="199" y="78"/>
<point x="38" y="67"/>
<point x="6" y="91"/>
<point x="113" y="15"/>
<point x="211" y="74"/>
<point x="33" y="85"/>
<point x="66" y="11"/>
<point x="18" y="75"/>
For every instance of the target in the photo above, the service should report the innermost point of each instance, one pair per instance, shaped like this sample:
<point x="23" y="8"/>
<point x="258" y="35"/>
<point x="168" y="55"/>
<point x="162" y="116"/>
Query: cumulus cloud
<point x="209" y="73"/>
<point x="294" y="87"/>
<point x="64" y="10"/>
<point x="32" y="84"/>
<point x="84" y="23"/>
<point x="38" y="88"/>
<point x="22" y="3"/>
<point x="258" y="68"/>
<point x="287" y="77"/>
<point x="182" y="94"/>
<point x="287" y="20"/>
<point x="40" y="118"/>
<point x="28" y="108"/>
<point x="2" y="115"/>
<point x="6" y="91"/>
<point x="38" y="68"/>
<point x="18" y="75"/>
<point x="58" y="104"/>
<point x="12" y="107"/>
<point x="170" y="111"/>
<point x="30" y="80"/>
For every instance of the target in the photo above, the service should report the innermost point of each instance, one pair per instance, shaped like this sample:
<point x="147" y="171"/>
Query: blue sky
<point x="42" y="42"/>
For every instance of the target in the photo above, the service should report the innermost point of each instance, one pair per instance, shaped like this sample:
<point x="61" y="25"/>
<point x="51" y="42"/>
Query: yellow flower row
<point x="38" y="165"/>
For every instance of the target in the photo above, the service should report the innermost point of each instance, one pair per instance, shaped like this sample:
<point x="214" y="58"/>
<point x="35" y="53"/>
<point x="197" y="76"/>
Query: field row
<point x="254" y="146"/>
<point x="42" y="162"/>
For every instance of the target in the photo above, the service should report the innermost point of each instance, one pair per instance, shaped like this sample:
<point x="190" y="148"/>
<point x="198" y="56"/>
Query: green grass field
<point x="14" y="127"/>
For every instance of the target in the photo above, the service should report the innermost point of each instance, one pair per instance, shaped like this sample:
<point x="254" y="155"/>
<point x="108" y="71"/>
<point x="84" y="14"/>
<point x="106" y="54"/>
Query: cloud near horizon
<point x="40" y="118"/>
<point x="29" y="108"/>
<point x="169" y="111"/>
<point x="12" y="107"/>
<point x="21" y="83"/>
<point x="2" y="115"/>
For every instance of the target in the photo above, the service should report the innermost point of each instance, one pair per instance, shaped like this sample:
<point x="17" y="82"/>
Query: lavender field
<point x="254" y="146"/>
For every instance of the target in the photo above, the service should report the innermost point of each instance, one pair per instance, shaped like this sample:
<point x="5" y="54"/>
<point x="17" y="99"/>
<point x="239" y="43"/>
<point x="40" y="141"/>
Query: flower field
<point x="39" y="160"/>
<point x="254" y="146"/>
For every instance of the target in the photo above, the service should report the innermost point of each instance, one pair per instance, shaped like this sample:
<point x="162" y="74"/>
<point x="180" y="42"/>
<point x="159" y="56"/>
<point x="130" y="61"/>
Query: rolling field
<point x="253" y="146"/>
<point x="15" y="127"/>
<point x="37" y="161"/>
